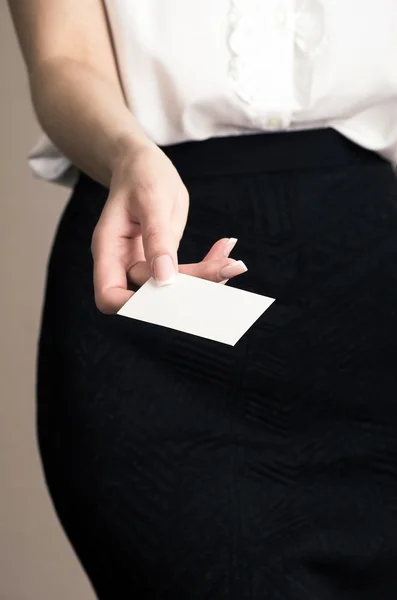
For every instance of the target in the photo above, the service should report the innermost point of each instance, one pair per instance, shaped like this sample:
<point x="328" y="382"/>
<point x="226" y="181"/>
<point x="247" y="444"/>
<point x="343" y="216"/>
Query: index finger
<point x="110" y="277"/>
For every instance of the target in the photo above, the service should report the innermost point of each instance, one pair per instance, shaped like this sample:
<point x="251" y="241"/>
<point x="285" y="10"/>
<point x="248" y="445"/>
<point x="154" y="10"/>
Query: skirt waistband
<point x="280" y="151"/>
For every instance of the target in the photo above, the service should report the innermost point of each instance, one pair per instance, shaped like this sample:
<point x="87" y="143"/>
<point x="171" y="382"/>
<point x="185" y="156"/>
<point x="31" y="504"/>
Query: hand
<point x="142" y="223"/>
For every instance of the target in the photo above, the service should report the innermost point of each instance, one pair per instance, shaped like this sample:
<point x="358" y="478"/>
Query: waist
<point x="280" y="151"/>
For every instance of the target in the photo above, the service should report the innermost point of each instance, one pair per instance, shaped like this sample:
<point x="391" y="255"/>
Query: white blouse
<point x="195" y="69"/>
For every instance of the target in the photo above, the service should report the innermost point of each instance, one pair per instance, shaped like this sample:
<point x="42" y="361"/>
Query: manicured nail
<point x="235" y="268"/>
<point x="164" y="270"/>
<point x="229" y="246"/>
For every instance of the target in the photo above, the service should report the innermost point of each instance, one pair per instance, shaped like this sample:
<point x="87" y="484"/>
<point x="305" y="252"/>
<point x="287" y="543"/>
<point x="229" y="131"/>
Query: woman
<point x="181" y="468"/>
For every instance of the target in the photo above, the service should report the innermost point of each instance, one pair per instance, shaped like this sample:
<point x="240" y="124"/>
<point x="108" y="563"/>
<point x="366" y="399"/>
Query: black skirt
<point x="181" y="468"/>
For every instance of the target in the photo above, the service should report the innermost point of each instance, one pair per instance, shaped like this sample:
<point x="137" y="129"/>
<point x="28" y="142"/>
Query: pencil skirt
<point x="187" y="469"/>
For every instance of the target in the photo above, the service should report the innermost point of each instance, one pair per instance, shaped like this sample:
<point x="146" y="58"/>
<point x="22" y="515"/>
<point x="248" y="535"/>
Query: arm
<point x="74" y="82"/>
<point x="79" y="102"/>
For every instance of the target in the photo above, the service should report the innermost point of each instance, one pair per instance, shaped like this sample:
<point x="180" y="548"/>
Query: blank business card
<point x="198" y="307"/>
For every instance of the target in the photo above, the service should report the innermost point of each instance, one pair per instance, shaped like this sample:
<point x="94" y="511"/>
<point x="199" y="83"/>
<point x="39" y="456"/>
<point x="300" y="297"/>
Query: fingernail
<point x="164" y="270"/>
<point x="235" y="268"/>
<point x="229" y="246"/>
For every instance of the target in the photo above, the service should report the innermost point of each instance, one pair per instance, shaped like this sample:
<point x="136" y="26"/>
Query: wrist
<point x="128" y="144"/>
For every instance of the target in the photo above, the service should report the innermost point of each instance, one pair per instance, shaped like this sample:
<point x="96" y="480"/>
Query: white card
<point x="199" y="307"/>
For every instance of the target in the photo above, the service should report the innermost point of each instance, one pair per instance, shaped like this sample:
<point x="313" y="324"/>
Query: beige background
<point x="36" y="561"/>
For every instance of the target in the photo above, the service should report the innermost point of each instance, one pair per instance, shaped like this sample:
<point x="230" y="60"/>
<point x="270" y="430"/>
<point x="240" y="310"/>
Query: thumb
<point x="160" y="247"/>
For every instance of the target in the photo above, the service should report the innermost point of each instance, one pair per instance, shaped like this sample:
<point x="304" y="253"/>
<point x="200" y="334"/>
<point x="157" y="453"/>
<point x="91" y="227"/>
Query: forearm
<point x="84" y="114"/>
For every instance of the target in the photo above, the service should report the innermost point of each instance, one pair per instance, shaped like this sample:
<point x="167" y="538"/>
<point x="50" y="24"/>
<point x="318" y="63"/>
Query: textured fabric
<point x="197" y="69"/>
<point x="185" y="469"/>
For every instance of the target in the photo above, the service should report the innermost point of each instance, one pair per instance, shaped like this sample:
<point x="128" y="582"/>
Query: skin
<point x="78" y="99"/>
